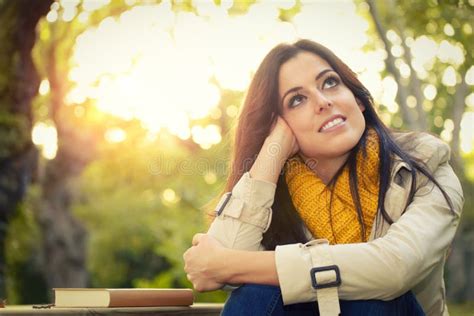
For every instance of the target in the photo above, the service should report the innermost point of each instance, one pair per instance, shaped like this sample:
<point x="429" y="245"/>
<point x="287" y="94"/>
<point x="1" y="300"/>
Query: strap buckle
<point x="314" y="282"/>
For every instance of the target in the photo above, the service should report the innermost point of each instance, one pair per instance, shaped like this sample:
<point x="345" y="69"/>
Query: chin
<point x="331" y="150"/>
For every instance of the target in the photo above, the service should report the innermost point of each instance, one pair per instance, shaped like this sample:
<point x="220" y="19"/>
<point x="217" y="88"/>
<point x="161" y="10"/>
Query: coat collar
<point x="429" y="150"/>
<point x="423" y="146"/>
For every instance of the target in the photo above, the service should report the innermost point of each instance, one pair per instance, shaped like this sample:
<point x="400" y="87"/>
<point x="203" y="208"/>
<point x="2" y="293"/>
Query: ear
<point x="361" y="105"/>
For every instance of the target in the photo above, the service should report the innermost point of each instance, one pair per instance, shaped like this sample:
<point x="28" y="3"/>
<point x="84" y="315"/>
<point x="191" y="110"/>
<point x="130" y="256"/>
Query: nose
<point x="321" y="102"/>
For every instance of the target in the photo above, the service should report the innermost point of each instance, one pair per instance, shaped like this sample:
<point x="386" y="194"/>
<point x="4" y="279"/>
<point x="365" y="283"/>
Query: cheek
<point x="301" y="124"/>
<point x="300" y="116"/>
<point x="359" y="118"/>
<point x="306" y="138"/>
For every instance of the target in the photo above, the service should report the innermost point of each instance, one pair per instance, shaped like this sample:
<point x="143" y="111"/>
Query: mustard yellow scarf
<point x="337" y="222"/>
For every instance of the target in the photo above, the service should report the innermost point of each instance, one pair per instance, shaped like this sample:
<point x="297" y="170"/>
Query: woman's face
<point x="321" y="111"/>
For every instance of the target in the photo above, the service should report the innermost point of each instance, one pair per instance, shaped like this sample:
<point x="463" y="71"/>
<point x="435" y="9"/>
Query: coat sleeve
<point x="389" y="266"/>
<point x="243" y="215"/>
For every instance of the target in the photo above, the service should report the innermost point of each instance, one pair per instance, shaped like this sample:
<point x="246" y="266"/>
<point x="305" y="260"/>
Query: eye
<point x="296" y="100"/>
<point x="330" y="82"/>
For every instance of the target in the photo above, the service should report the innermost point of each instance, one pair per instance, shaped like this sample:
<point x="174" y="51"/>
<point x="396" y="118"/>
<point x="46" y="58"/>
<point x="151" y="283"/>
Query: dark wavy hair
<point x="260" y="111"/>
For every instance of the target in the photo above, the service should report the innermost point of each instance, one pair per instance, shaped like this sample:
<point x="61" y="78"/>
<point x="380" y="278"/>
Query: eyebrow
<point x="298" y="88"/>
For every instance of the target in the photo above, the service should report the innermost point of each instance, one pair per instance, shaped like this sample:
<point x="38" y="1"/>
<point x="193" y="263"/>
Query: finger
<point x="274" y="119"/>
<point x="197" y="238"/>
<point x="186" y="266"/>
<point x="275" y="122"/>
<point x="186" y="254"/>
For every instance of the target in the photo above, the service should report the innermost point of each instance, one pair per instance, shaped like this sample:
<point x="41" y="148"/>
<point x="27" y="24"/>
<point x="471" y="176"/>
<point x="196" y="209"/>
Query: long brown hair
<point x="260" y="110"/>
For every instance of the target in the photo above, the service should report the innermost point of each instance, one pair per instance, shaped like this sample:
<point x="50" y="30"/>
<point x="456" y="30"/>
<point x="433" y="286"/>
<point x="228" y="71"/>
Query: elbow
<point x="398" y="288"/>
<point x="393" y="286"/>
<point x="398" y="268"/>
<point x="402" y="279"/>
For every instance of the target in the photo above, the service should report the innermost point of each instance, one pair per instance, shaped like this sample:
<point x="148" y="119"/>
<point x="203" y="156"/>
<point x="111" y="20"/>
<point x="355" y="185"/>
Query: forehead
<point x="297" y="70"/>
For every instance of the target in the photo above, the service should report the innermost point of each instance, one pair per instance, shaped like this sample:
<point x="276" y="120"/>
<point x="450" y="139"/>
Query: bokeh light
<point x="168" y="68"/>
<point x="150" y="65"/>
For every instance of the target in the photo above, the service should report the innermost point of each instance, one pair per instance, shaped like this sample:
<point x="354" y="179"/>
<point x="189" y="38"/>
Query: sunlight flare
<point x="46" y="138"/>
<point x="148" y="64"/>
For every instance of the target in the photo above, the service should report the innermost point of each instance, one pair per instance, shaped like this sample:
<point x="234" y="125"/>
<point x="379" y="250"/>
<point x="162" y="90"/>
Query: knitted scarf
<point x="337" y="220"/>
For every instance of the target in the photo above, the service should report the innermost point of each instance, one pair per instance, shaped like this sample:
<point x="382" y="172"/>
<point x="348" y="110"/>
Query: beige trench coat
<point x="408" y="255"/>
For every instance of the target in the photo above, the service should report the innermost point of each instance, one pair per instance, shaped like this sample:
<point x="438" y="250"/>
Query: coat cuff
<point x="250" y="201"/>
<point x="293" y="264"/>
<point x="307" y="273"/>
<point x="256" y="193"/>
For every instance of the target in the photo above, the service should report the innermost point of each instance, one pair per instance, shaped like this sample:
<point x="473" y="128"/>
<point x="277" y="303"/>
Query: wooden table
<point x="195" y="309"/>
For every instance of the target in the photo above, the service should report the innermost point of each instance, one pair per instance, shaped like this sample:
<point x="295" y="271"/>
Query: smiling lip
<point x="332" y="118"/>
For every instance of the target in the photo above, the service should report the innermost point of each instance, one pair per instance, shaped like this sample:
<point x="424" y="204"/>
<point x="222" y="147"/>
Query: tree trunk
<point x="414" y="84"/>
<point x="64" y="237"/>
<point x="18" y="85"/>
<point x="459" y="106"/>
<point x="402" y="91"/>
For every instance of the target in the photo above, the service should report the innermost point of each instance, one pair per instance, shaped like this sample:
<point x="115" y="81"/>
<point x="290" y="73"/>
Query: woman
<point x="349" y="214"/>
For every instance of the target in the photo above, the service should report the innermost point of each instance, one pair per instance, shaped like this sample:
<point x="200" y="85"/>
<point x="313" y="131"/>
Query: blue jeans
<point x="253" y="299"/>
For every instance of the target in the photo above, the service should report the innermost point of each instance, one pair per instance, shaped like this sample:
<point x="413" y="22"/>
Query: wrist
<point x="275" y="150"/>
<point x="226" y="266"/>
<point x="256" y="267"/>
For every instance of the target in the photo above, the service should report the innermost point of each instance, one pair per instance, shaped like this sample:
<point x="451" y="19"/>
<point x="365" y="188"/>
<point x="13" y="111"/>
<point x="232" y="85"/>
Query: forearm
<point x="245" y="215"/>
<point x="269" y="162"/>
<point x="234" y="234"/>
<point x="257" y="267"/>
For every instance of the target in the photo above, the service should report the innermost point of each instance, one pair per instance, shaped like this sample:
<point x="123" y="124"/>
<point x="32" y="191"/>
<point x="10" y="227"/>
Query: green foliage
<point x="25" y="282"/>
<point x="464" y="309"/>
<point x="137" y="235"/>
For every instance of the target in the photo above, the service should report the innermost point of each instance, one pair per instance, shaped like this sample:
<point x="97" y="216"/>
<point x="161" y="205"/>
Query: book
<point x="90" y="297"/>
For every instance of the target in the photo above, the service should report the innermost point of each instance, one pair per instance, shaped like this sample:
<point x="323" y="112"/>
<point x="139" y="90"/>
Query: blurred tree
<point x="18" y="85"/>
<point x="64" y="238"/>
<point x="447" y="23"/>
<point x="63" y="250"/>
<point x="153" y="202"/>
